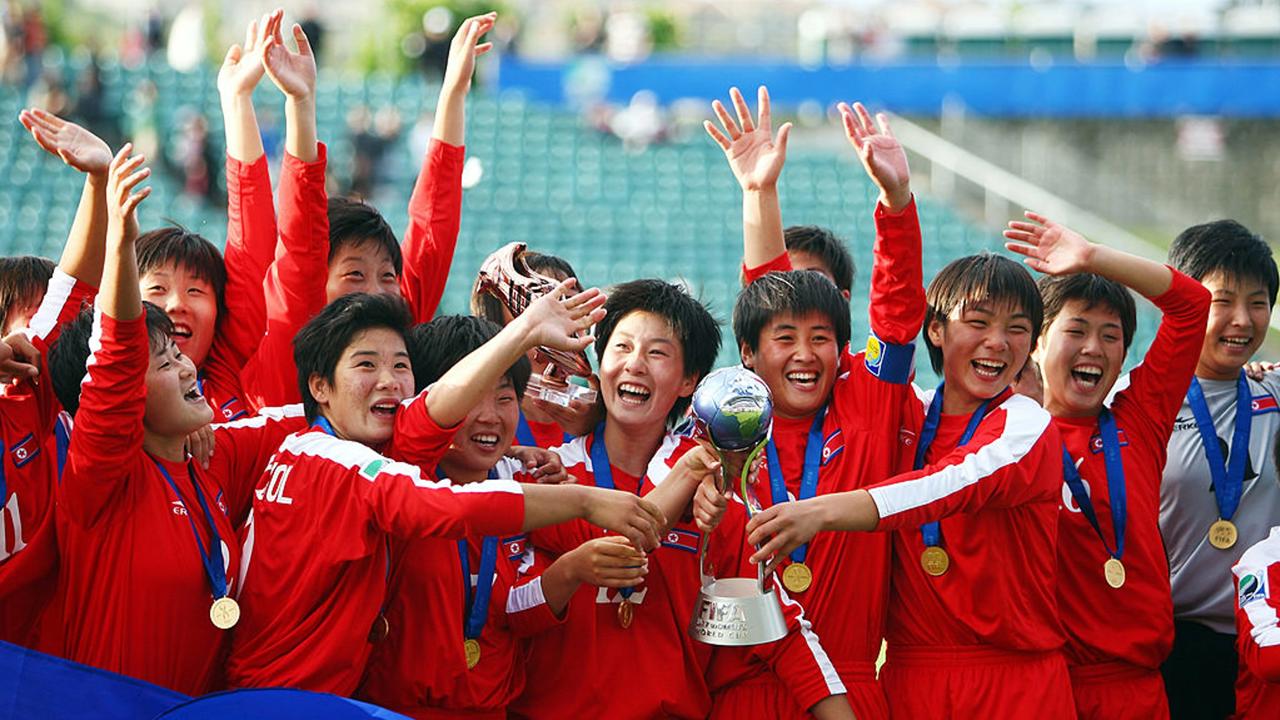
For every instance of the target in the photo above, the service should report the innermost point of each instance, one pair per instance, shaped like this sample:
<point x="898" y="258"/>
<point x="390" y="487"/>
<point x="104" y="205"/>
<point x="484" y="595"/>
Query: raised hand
<point x="76" y="146"/>
<point x="464" y="49"/>
<point x="780" y="529"/>
<point x="200" y="445"/>
<point x="881" y="154"/>
<point x="293" y="72"/>
<point x="125" y="174"/>
<point x="242" y="68"/>
<point x="755" y="154"/>
<point x="542" y="465"/>
<point x="19" y="359"/>
<point x="1049" y="248"/>
<point x="555" y="321"/>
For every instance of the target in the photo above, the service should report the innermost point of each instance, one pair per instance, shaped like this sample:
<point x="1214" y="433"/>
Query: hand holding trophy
<point x="733" y="409"/>
<point x="506" y="276"/>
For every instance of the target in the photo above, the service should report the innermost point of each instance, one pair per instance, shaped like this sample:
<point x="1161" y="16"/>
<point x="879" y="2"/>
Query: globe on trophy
<point x="733" y="409"/>
<point x="507" y="276"/>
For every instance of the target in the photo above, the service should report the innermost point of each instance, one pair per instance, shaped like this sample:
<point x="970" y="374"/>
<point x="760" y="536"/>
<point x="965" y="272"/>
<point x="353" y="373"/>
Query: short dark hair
<point x="355" y="222"/>
<point x="693" y="325"/>
<point x="436" y="346"/>
<point x="69" y="356"/>
<point x="1227" y="247"/>
<point x="788" y="293"/>
<point x="23" y="280"/>
<point x="824" y="245"/>
<point x="489" y="307"/>
<point x="1093" y="290"/>
<point x="321" y="342"/>
<point x="179" y="246"/>
<point x="980" y="278"/>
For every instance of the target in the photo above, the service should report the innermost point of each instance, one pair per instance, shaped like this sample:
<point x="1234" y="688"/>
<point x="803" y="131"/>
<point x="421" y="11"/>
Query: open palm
<point x="293" y="72"/>
<point x="242" y="67"/>
<point x="755" y="155"/>
<point x="465" y="48"/>
<point x="882" y="156"/>
<point x="1050" y="248"/>
<point x="76" y="146"/>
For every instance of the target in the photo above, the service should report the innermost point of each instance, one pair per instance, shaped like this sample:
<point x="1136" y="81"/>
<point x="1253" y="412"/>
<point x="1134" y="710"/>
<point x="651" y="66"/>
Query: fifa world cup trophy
<point x="733" y="409"/>
<point x="506" y="276"/>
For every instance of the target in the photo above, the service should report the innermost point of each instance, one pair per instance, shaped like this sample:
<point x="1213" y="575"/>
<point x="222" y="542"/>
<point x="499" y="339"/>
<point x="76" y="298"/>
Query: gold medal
<point x="224" y="613"/>
<point x="380" y="629"/>
<point x="1223" y="534"/>
<point x="797" y="577"/>
<point x="1113" y="570"/>
<point x="626" y="613"/>
<point x="471" y="648"/>
<point x="935" y="560"/>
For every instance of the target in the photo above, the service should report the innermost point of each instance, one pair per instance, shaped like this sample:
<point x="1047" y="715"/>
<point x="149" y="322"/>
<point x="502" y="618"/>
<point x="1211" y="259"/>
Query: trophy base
<point x="732" y="613"/>
<point x="559" y="393"/>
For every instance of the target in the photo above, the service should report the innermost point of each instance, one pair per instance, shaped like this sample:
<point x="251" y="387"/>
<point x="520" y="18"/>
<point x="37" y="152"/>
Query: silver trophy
<point x="506" y="276"/>
<point x="732" y="408"/>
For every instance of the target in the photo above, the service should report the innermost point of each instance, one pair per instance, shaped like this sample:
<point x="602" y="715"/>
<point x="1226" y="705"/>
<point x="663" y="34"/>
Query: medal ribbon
<point x="211" y="558"/>
<point x="1228" y="476"/>
<point x="476" y="610"/>
<point x="4" y="489"/>
<point x="603" y="473"/>
<point x="1115" y="484"/>
<point x="524" y="433"/>
<point x="932" y="531"/>
<point x="808" y="478"/>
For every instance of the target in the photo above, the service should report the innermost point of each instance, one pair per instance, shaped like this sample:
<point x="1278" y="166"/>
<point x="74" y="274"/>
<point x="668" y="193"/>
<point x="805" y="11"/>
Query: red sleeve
<point x="108" y="429"/>
<point x="64" y="299"/>
<point x="243" y="449"/>
<point x="522" y="605"/>
<point x="1014" y="457"/>
<point x="1158" y="385"/>
<point x="435" y="214"/>
<point x="897" y="285"/>
<point x="419" y="439"/>
<point x="782" y="263"/>
<point x="251" y="238"/>
<point x="294" y="287"/>
<point x="406" y="505"/>
<point x="798" y="659"/>
<point x="1258" y="608"/>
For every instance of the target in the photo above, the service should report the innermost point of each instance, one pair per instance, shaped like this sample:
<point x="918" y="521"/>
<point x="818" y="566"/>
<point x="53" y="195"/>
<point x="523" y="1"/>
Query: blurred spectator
<point x="195" y="159"/>
<point x="35" y="38"/>
<point x="186" y="50"/>
<point x="89" y="105"/>
<point x="153" y="31"/>
<point x="627" y="36"/>
<point x="370" y="137"/>
<point x="438" y="27"/>
<point x="140" y="123"/>
<point x="640" y="124"/>
<point x="311" y="25"/>
<point x="49" y="93"/>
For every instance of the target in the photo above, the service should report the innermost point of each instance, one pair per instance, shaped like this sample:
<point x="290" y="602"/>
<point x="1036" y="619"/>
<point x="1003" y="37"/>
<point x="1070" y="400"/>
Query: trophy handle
<point x="750" y="500"/>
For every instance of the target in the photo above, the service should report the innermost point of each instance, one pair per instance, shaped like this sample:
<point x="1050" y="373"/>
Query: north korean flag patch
<point x="1095" y="442"/>
<point x="833" y="446"/>
<point x="25" y="450"/>
<point x="1264" y="404"/>
<point x="515" y="546"/>
<point x="682" y="539"/>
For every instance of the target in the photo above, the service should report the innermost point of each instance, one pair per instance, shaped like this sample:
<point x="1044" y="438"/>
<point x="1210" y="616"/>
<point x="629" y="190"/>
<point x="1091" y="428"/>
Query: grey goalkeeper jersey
<point x="1203" y="589"/>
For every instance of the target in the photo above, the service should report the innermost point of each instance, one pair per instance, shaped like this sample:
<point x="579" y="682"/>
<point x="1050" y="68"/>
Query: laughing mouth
<point x="488" y="441"/>
<point x="1236" y="343"/>
<point x="806" y="379"/>
<point x="1088" y="375"/>
<point x="988" y="369"/>
<point x="193" y="394"/>
<point x="633" y="394"/>
<point x="385" y="408"/>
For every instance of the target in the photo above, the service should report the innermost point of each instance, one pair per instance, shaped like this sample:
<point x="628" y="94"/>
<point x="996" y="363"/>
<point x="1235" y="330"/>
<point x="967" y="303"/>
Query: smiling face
<point x="189" y="301"/>
<point x="174" y="405"/>
<point x="1238" y="319"/>
<point x="1081" y="353"/>
<point x="797" y="358"/>
<point x="372" y="376"/>
<point x="361" y="267"/>
<point x="485" y="435"/>
<point x="642" y="372"/>
<point x="984" y="345"/>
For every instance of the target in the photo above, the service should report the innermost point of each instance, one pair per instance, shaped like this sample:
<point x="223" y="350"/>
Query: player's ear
<point x="320" y="389"/>
<point x="748" y="356"/>
<point x="688" y="384"/>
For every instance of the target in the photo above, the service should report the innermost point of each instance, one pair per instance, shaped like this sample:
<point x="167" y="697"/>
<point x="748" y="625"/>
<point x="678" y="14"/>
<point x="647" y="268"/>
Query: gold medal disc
<point x="1223" y="534"/>
<point x="380" y="629"/>
<point x="224" y="613"/>
<point x="471" y="648"/>
<point x="797" y="577"/>
<point x="626" y="613"/>
<point x="935" y="560"/>
<point x="1113" y="570"/>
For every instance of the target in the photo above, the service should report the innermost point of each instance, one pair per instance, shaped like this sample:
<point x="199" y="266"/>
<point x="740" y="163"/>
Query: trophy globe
<point x="732" y="407"/>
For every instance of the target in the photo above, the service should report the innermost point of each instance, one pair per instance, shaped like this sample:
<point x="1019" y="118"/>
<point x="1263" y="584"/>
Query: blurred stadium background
<point x="1127" y="120"/>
